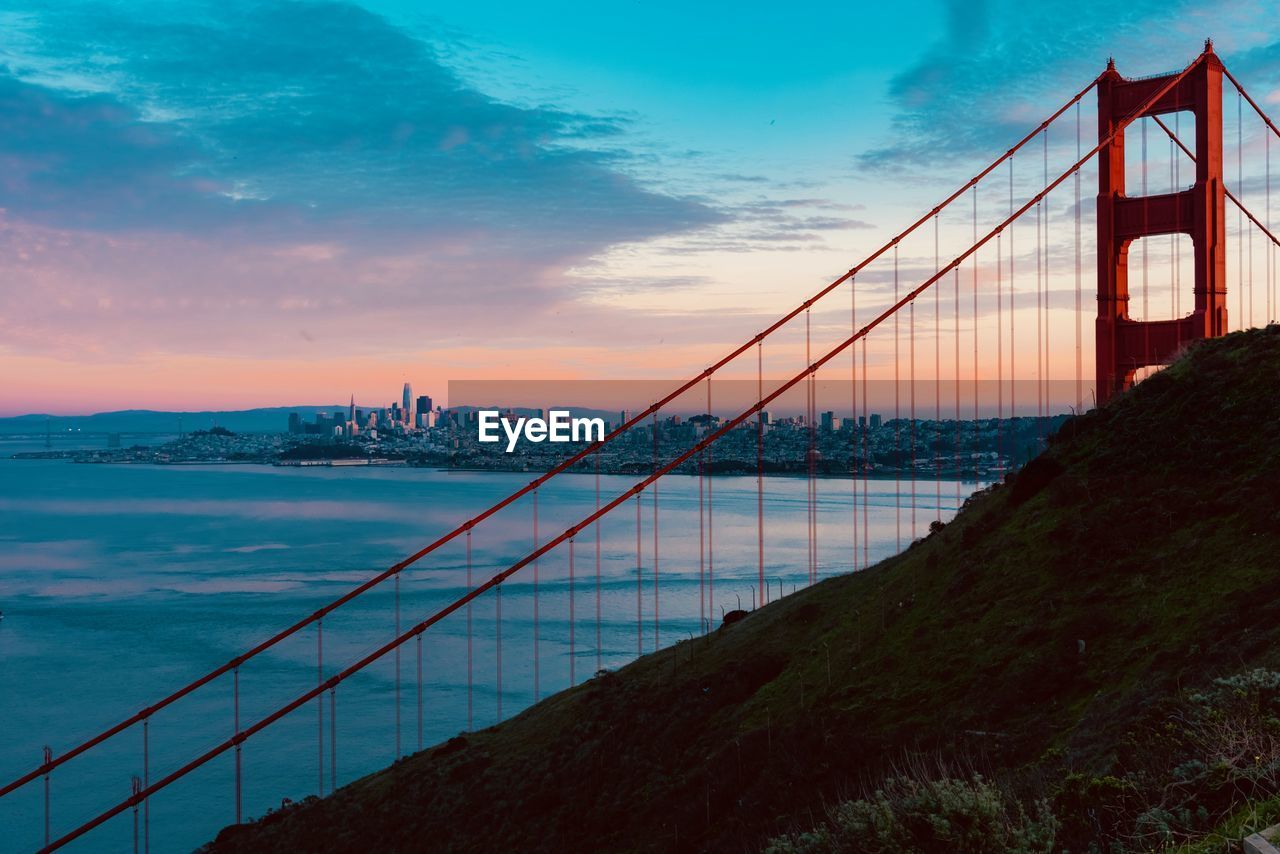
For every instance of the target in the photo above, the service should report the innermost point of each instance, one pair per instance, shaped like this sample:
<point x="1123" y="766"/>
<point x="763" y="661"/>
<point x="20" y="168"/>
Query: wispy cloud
<point x="195" y="177"/>
<point x="1002" y="64"/>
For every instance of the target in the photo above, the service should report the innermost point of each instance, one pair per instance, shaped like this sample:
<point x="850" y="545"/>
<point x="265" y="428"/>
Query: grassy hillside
<point x="1040" y="639"/>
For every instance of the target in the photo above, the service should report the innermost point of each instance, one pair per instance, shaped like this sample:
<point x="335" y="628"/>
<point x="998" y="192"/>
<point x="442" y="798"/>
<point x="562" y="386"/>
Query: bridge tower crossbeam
<point x="1125" y="345"/>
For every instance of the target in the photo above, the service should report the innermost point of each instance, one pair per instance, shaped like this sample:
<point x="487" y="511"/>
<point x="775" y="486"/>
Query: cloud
<point x="1002" y="66"/>
<point x="323" y="114"/>
<point x="89" y="161"/>
<point x="275" y="176"/>
<point x="767" y="223"/>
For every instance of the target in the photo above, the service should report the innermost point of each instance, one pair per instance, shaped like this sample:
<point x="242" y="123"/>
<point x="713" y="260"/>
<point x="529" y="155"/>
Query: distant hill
<point x="1063" y="636"/>
<point x="273" y="419"/>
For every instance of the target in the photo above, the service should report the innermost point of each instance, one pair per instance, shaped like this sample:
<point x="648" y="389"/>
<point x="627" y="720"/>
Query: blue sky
<point x="253" y="202"/>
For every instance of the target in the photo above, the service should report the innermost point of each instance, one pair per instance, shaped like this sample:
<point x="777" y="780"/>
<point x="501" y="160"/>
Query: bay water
<point x="121" y="583"/>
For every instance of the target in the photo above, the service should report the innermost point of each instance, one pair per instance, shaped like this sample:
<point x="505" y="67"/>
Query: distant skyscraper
<point x="828" y="421"/>
<point x="351" y="409"/>
<point x="406" y="403"/>
<point x="875" y="421"/>
<point x="424" y="404"/>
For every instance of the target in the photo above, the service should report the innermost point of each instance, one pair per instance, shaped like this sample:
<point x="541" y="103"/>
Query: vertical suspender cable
<point x="639" y="582"/>
<point x="911" y="338"/>
<point x="956" y="455"/>
<point x="865" y="423"/>
<point x="1240" y="213"/>
<point x="897" y="409"/>
<point x="537" y="652"/>
<point x="333" y="739"/>
<point x="599" y="653"/>
<point x="1173" y="235"/>
<point x="1146" y="313"/>
<point x="937" y="378"/>
<point x="809" y="454"/>
<point x="1079" y="292"/>
<point x="1013" y="332"/>
<point x="1239" y="210"/>
<point x="702" y="544"/>
<point x="497" y="613"/>
<point x="999" y="350"/>
<point x="418" y="645"/>
<point x="1041" y="403"/>
<point x="1271" y="315"/>
<point x="572" y="615"/>
<point x="976" y="437"/>
<point x="396" y="595"/>
<point x="1250" y="233"/>
<point x="656" y="641"/>
<point x="235" y="690"/>
<point x="470" y="670"/>
<point x="320" y="701"/>
<point x="711" y="530"/>
<point x="146" y="783"/>
<point x="760" y="469"/>
<point x="854" y="429"/>
<point x="136" y="789"/>
<point x="48" y="757"/>
<point x="1177" y="231"/>
<point x="1048" y="371"/>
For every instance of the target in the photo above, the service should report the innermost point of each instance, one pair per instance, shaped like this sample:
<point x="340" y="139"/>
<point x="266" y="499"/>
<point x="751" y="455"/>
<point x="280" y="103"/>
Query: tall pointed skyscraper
<point x="351" y="410"/>
<point x="406" y="404"/>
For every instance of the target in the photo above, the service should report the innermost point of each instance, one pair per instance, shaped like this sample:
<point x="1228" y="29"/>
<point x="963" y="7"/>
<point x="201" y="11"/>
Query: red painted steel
<point x="759" y="470"/>
<point x="573" y="673"/>
<point x="599" y="650"/>
<point x="497" y="628"/>
<point x="537" y="647"/>
<point x="1231" y="197"/>
<point x="1125" y="345"/>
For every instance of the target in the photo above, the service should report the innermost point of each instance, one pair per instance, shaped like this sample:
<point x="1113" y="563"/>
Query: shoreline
<point x="903" y="475"/>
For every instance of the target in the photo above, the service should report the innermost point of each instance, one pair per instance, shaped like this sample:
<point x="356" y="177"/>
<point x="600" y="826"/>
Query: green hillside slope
<point x="1046" y="637"/>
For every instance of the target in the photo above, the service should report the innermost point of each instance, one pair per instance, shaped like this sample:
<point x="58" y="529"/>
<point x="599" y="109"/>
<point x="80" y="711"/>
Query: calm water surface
<point x="120" y="583"/>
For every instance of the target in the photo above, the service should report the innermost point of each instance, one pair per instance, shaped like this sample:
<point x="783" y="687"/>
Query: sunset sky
<point x="234" y="204"/>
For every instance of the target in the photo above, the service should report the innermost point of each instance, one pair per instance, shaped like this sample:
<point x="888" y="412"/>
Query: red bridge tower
<point x="1125" y="345"/>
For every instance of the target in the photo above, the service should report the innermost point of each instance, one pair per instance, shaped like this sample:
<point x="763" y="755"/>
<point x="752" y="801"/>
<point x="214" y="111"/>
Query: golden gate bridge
<point x="963" y="311"/>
